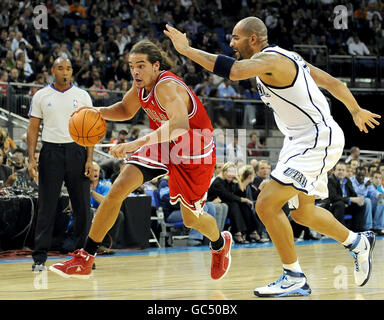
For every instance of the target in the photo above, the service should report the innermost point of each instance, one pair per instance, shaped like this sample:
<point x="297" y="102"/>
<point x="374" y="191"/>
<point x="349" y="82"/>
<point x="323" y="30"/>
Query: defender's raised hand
<point x="179" y="40"/>
<point x="363" y="117"/>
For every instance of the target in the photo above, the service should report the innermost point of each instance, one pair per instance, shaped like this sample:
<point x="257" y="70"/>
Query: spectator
<point x="245" y="180"/>
<point x="172" y="212"/>
<point x="235" y="151"/>
<point x="221" y="207"/>
<point x="72" y="34"/>
<point x="96" y="34"/>
<point x="262" y="170"/>
<point x="354" y="155"/>
<point x="379" y="184"/>
<point x="113" y="96"/>
<point x="252" y="145"/>
<point x="76" y="10"/>
<point x="63" y="7"/>
<point x="10" y="60"/>
<point x="3" y="78"/>
<point x="239" y="208"/>
<point x="22" y="49"/>
<point x="133" y="134"/>
<point x="254" y="163"/>
<point x="39" y="63"/>
<point x="226" y="90"/>
<point x="20" y="68"/>
<point x="343" y="198"/>
<point x="354" y="163"/>
<point x="357" y="47"/>
<point x="349" y="171"/>
<point x="84" y="34"/>
<point x="121" y="137"/>
<point x="96" y="90"/>
<point x="381" y="167"/>
<point x="374" y="219"/>
<point x="124" y="85"/>
<point x="193" y="78"/>
<point x="191" y="26"/>
<point x="6" y="143"/>
<point x="262" y="145"/>
<point x="27" y="68"/>
<point x="377" y="202"/>
<point x="122" y="72"/>
<point x="16" y="42"/>
<point x="99" y="189"/>
<point x="39" y="82"/>
<point x="7" y="178"/>
<point x="121" y="43"/>
<point x="76" y="49"/>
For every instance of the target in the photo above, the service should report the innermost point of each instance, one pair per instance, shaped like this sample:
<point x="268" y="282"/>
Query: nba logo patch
<point x="75" y="104"/>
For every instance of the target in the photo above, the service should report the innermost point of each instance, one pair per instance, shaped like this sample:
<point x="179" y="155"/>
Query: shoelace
<point x="283" y="277"/>
<point x="77" y="254"/>
<point x="356" y="262"/>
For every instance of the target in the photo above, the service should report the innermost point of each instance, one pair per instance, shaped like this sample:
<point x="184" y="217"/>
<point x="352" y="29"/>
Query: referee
<point x="61" y="159"/>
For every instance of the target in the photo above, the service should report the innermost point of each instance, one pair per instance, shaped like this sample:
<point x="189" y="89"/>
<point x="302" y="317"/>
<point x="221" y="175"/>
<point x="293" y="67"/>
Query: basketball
<point x="87" y="127"/>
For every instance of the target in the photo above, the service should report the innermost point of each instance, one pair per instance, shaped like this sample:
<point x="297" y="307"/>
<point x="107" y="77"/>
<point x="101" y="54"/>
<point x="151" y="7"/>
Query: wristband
<point x="223" y="65"/>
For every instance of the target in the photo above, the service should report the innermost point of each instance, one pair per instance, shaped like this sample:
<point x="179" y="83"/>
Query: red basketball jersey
<point x="199" y="139"/>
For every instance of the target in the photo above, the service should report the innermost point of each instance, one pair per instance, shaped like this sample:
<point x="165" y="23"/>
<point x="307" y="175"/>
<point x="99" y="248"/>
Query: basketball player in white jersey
<point x="313" y="144"/>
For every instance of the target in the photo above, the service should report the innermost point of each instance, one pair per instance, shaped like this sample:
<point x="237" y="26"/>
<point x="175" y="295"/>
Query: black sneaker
<point x="38" y="266"/>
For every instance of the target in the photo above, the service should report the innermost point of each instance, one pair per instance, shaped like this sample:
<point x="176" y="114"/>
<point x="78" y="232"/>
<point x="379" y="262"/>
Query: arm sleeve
<point x="35" y="107"/>
<point x="88" y="99"/>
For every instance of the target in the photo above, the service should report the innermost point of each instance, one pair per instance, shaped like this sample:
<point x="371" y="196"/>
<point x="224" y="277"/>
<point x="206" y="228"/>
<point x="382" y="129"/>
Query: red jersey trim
<point x="145" y="99"/>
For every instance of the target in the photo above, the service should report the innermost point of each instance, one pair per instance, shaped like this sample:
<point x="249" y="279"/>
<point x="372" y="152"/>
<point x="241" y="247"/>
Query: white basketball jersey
<point x="298" y="106"/>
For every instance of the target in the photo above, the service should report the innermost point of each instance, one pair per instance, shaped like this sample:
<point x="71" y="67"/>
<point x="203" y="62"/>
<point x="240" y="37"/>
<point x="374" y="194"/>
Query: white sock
<point x="350" y="239"/>
<point x="295" y="267"/>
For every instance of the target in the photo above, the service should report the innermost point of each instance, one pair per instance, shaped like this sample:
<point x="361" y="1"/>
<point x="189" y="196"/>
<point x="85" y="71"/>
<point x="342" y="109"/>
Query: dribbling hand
<point x="84" y="107"/>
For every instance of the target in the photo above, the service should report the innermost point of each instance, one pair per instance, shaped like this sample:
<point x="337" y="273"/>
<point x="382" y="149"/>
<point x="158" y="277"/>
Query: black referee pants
<point x="60" y="163"/>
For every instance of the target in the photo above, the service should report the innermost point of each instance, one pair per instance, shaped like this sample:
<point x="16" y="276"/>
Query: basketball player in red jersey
<point x="180" y="144"/>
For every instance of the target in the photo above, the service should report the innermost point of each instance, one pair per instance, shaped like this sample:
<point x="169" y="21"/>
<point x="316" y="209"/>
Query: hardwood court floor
<point x="183" y="273"/>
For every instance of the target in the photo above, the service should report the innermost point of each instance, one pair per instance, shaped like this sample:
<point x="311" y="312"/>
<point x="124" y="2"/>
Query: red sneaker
<point x="221" y="259"/>
<point x="80" y="266"/>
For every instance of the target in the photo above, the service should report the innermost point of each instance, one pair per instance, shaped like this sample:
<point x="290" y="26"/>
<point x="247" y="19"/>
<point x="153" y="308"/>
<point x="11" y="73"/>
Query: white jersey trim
<point x="194" y="108"/>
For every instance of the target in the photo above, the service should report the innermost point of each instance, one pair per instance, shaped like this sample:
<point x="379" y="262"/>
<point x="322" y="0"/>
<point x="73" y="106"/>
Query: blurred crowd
<point x="97" y="35"/>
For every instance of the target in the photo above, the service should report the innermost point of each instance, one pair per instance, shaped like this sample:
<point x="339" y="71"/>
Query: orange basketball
<point x="87" y="127"/>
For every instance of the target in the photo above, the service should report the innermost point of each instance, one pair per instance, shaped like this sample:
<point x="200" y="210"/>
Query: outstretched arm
<point x="361" y="117"/>
<point x="174" y="99"/>
<point x="240" y="70"/>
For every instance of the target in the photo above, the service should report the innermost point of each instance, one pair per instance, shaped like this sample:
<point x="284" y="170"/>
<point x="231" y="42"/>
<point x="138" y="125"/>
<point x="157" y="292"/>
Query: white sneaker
<point x="290" y="284"/>
<point x="362" y="253"/>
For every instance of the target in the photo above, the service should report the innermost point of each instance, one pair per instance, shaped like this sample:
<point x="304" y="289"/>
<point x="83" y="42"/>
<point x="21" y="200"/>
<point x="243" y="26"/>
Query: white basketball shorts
<point x="305" y="160"/>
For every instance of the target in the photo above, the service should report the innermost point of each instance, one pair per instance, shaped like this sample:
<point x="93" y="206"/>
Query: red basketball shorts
<point x="189" y="176"/>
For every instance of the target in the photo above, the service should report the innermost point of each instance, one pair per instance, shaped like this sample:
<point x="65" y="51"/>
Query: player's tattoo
<point x="208" y="56"/>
